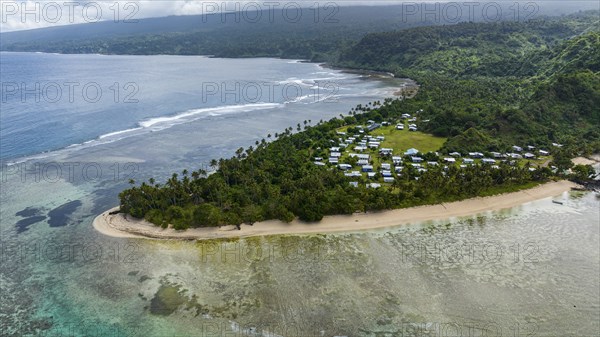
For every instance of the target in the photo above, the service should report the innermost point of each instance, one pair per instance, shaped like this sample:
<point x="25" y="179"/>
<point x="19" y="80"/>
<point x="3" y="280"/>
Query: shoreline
<point x="120" y="226"/>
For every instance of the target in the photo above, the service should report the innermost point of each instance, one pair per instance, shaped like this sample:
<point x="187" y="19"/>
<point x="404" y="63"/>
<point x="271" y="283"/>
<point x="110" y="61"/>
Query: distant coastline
<point x="121" y="226"/>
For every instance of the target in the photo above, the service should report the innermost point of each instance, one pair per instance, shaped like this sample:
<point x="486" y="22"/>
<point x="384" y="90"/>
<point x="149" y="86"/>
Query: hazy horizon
<point x="28" y="15"/>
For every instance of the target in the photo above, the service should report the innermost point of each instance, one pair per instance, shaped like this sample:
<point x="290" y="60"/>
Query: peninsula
<point x="485" y="121"/>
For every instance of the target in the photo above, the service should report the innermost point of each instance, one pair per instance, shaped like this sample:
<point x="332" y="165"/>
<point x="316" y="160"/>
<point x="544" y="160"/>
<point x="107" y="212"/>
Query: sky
<point x="30" y="14"/>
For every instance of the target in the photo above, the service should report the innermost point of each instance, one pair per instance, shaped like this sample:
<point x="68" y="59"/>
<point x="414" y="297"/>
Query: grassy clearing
<point x="402" y="140"/>
<point x="399" y="140"/>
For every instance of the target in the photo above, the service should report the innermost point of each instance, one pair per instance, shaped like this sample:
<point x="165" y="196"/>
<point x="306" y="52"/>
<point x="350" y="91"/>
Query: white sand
<point x="126" y="227"/>
<point x="585" y="161"/>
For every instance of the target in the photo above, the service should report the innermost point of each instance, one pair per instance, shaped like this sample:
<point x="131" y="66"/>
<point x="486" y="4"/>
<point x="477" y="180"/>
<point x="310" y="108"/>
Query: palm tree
<point x="239" y="152"/>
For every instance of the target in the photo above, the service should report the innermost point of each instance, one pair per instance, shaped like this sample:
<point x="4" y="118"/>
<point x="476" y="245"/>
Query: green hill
<point x="504" y="83"/>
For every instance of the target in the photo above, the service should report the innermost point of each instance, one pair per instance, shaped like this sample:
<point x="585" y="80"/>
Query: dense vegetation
<point x="483" y="86"/>
<point x="278" y="180"/>
<point x="313" y="33"/>
<point x="487" y="86"/>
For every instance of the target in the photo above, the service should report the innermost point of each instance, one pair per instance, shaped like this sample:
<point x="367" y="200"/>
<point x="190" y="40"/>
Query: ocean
<point x="74" y="129"/>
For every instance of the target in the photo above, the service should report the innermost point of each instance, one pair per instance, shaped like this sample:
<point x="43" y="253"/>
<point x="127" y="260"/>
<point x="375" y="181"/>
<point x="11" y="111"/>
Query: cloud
<point x="30" y="14"/>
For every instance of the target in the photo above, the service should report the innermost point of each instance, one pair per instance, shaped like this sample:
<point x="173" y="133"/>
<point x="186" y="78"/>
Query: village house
<point x="515" y="155"/>
<point x="354" y="183"/>
<point x="373" y="127"/>
<point x="468" y="161"/>
<point x="388" y="179"/>
<point x="416" y="159"/>
<point x="400" y="127"/>
<point x="386" y="151"/>
<point x="488" y="161"/>
<point x="386" y="166"/>
<point x="360" y="155"/>
<point x="543" y="153"/>
<point x="529" y="155"/>
<point x="334" y="160"/>
<point x="362" y="162"/>
<point x="475" y="154"/>
<point x="345" y="166"/>
<point x="373" y="185"/>
<point x="455" y="154"/>
<point x="411" y="152"/>
<point x="353" y="174"/>
<point x="396" y="160"/>
<point x="450" y="160"/>
<point x="335" y="154"/>
<point x="386" y="173"/>
<point x="367" y="168"/>
<point x="517" y="148"/>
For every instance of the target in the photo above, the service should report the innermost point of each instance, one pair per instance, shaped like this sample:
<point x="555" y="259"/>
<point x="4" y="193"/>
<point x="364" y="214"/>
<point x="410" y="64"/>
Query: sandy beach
<point x="126" y="227"/>
<point x="595" y="159"/>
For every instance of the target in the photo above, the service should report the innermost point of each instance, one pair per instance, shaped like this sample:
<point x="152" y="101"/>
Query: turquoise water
<point x="531" y="270"/>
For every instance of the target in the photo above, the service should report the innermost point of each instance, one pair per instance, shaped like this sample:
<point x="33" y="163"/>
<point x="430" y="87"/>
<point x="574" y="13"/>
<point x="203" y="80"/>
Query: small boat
<point x="557" y="202"/>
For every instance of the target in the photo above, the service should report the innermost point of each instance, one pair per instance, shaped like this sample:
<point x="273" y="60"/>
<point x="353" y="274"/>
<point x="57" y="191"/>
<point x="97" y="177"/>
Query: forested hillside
<point x="489" y="85"/>
<point x="311" y="33"/>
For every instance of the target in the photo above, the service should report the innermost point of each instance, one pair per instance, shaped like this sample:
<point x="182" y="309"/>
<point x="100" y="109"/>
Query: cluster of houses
<point x="412" y="120"/>
<point x="388" y="171"/>
<point x="372" y="125"/>
<point x="361" y="147"/>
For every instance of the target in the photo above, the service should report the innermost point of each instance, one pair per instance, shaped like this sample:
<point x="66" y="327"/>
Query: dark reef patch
<point x="29" y="212"/>
<point x="23" y="225"/>
<point x="59" y="216"/>
<point x="166" y="300"/>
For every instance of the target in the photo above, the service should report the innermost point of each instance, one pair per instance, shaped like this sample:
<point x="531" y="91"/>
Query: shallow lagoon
<point x="532" y="270"/>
